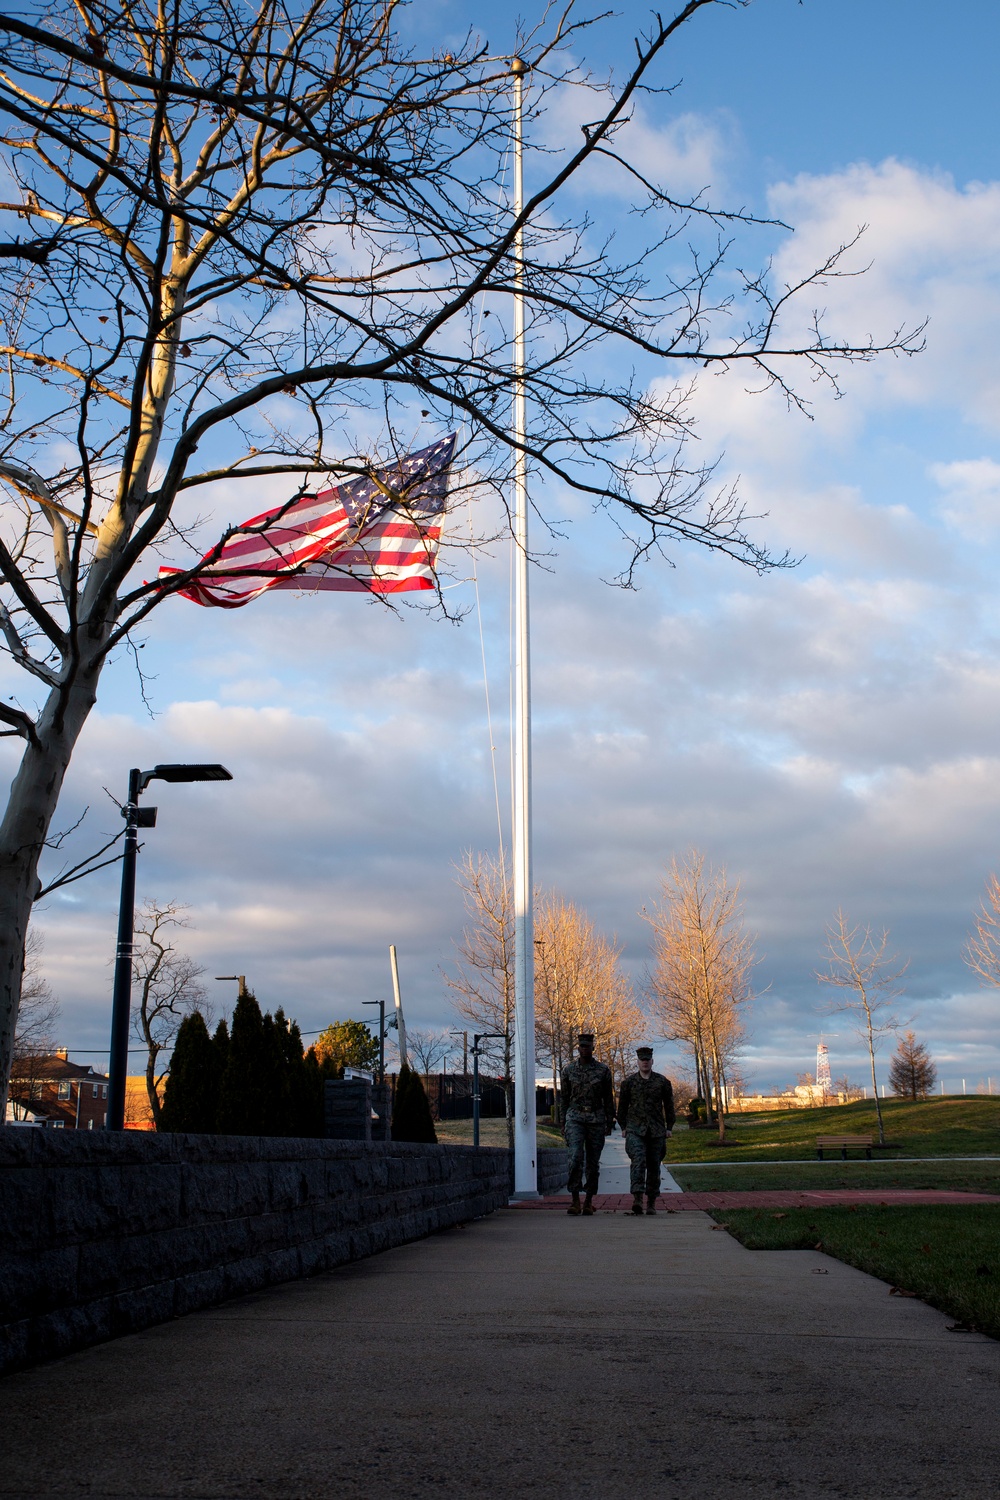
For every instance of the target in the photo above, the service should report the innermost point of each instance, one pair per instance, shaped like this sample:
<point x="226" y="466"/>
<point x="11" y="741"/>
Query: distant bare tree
<point x="428" y="1047"/>
<point x="169" y="988"/>
<point x="912" y="1073"/>
<point x="34" y="1039"/>
<point x="703" y="959"/>
<point x="861" y="968"/>
<point x="982" y="948"/>
<point x="39" y="1007"/>
<point x="483" y="980"/>
<point x="581" y="986"/>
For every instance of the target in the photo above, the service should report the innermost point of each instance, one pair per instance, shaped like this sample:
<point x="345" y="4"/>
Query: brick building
<point x="57" y="1093"/>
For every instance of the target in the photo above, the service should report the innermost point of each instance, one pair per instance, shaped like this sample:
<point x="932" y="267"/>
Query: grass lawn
<point x="964" y="1176"/>
<point x="491" y="1133"/>
<point x="949" y="1256"/>
<point x="952" y="1126"/>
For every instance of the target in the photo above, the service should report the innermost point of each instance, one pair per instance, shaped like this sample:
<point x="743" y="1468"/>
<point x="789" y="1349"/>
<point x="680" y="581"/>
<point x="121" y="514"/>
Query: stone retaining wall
<point x="103" y="1234"/>
<point x="553" y="1169"/>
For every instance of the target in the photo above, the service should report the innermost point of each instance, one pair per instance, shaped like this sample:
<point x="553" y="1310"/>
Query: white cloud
<point x="971" y="501"/>
<point x="685" y="158"/>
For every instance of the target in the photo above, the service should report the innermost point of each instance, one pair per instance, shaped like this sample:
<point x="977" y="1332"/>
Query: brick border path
<point x="843" y="1197"/>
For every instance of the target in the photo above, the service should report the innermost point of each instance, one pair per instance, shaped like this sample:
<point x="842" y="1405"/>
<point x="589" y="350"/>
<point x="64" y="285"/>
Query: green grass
<point x="963" y="1176"/>
<point x="932" y="1127"/>
<point x="491" y="1133"/>
<point x="949" y="1256"/>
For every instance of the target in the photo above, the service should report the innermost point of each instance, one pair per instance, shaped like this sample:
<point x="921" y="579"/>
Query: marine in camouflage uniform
<point x="646" y="1116"/>
<point x="588" y="1103"/>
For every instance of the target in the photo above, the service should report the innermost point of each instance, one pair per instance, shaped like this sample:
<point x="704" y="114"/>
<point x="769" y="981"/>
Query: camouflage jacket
<point x="587" y="1093"/>
<point x="646" y="1105"/>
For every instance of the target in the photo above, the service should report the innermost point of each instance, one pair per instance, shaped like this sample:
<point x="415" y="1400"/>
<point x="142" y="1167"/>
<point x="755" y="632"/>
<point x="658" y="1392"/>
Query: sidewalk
<point x="527" y="1354"/>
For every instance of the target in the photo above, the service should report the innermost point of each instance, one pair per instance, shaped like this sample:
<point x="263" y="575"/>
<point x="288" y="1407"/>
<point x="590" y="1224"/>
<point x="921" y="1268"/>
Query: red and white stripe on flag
<point x="352" y="538"/>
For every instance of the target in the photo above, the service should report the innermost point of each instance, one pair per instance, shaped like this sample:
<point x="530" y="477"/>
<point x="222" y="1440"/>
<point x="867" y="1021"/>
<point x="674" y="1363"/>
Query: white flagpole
<point x="398" y="1001"/>
<point x="525" y="1173"/>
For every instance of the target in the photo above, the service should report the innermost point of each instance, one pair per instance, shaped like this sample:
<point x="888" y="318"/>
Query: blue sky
<point x="832" y="733"/>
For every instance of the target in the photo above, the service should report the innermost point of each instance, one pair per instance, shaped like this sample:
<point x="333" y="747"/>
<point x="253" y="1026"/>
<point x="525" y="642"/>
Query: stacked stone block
<point x="103" y="1234"/>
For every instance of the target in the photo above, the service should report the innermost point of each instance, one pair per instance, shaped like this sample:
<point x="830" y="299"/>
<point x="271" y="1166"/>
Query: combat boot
<point x="574" y="1207"/>
<point x="588" y="1204"/>
<point x="650" y="1203"/>
<point x="637" y="1203"/>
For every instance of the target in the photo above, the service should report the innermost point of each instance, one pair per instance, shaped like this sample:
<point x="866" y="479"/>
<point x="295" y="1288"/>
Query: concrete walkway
<point x="527" y="1354"/>
<point x="615" y="1168"/>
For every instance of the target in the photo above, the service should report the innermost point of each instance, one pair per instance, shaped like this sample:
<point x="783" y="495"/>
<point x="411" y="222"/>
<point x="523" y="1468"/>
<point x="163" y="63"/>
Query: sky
<point x="830" y="733"/>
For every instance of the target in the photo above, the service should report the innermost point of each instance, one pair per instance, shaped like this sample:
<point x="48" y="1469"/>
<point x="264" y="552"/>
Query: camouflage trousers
<point x="645" y="1152"/>
<point x="585" y="1140"/>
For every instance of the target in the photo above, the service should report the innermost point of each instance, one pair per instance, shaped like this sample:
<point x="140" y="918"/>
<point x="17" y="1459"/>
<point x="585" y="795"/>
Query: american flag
<point x="376" y="535"/>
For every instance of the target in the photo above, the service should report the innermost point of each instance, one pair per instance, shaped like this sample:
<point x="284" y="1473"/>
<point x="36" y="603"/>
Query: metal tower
<point x="823" y="1079"/>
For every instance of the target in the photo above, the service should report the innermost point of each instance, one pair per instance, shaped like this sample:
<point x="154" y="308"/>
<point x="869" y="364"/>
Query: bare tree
<point x="428" y="1047"/>
<point x="483" y="980"/>
<point x="252" y="239"/>
<point x="34" y="1040"/>
<point x="703" y="959"/>
<point x="982" y="949"/>
<point x="580" y="986"/>
<point x="862" y="969"/>
<point x="168" y="988"/>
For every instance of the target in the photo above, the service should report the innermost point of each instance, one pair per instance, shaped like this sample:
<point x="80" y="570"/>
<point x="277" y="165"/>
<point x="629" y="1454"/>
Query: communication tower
<point x="823" y="1080"/>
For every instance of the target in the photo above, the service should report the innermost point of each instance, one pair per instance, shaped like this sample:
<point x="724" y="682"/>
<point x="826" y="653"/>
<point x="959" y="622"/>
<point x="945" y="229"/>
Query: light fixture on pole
<point x="480" y="1036"/>
<point x="136" y="817"/>
<point x="525" y="1143"/>
<point x="241" y="981"/>
<point x="382" y="1029"/>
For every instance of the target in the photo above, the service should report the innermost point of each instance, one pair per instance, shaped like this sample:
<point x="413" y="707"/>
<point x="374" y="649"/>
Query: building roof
<point x="57" y="1066"/>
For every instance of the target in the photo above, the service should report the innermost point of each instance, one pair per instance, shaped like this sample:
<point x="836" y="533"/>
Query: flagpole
<point x="525" y="1146"/>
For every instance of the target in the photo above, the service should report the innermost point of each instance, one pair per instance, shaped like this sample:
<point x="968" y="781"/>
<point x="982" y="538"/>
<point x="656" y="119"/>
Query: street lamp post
<point x="381" y="1036"/>
<point x="136" y="817"/>
<point x="479" y="1036"/>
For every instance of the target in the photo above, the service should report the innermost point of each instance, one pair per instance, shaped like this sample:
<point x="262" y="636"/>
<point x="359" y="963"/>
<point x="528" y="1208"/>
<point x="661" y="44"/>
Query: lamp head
<point x="175" y="772"/>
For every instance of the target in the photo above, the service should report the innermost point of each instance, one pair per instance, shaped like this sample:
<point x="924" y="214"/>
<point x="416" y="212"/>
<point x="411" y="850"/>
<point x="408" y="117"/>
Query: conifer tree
<point x="220" y="1041"/>
<point x="317" y="1068"/>
<point x="191" y="1097"/>
<point x="911" y="1072"/>
<point x="244" y="1096"/>
<point x="411" y="1113"/>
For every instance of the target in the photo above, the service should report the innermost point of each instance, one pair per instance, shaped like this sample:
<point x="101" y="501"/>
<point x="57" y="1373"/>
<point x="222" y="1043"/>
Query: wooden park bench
<point x="841" y="1143"/>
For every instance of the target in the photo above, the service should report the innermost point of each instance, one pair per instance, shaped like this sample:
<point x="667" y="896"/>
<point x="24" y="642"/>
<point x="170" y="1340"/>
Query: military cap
<point x="644" y="1052"/>
<point x="585" y="1039"/>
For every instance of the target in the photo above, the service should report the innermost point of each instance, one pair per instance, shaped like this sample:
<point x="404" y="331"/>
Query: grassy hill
<point x="952" y="1126"/>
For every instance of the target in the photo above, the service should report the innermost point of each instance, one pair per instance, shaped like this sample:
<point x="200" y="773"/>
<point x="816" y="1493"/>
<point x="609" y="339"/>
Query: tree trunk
<point x="716" y="1085"/>
<point x="878" y="1107"/>
<point x="34" y="794"/>
<point x="720" y="1098"/>
<point x="151" y="1093"/>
